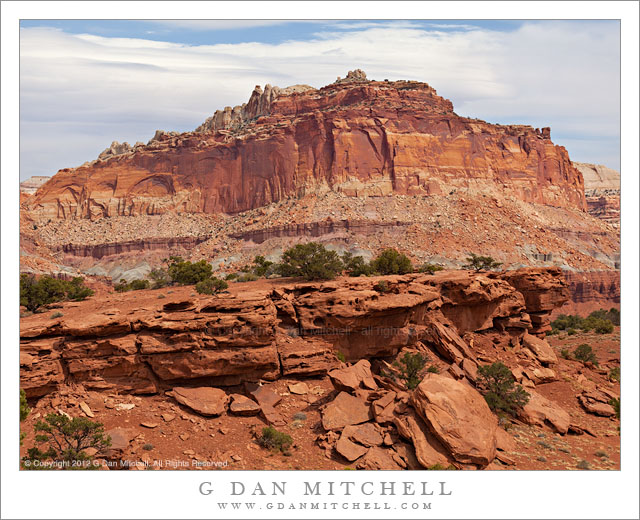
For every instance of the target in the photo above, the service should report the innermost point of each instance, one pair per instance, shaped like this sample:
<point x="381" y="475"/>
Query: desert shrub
<point x="565" y="354"/>
<point x="36" y="293"/>
<point x="572" y="332"/>
<point x="600" y="321"/>
<point x="429" y="268"/>
<point x="340" y="357"/>
<point x="614" y="374"/>
<point x="262" y="267"/>
<point x="433" y="370"/>
<point x="247" y="277"/>
<point x="275" y="440"/>
<point x="411" y="367"/>
<point x="583" y="464"/>
<point x="382" y="286"/>
<point x="159" y="278"/>
<point x="65" y="441"/>
<point x="76" y="290"/>
<point x="24" y="411"/>
<point x="57" y="314"/>
<point x="585" y="354"/>
<point x="439" y="467"/>
<point x="188" y="273"/>
<point x="134" y="285"/>
<point x="147" y="447"/>
<point x="24" y="406"/>
<point x="231" y="276"/>
<point x="312" y="261"/>
<point x="499" y="388"/>
<point x="211" y="286"/>
<point x="481" y="263"/>
<point x="161" y="296"/>
<point x="615" y="402"/>
<point x="356" y="265"/>
<point x="391" y="261"/>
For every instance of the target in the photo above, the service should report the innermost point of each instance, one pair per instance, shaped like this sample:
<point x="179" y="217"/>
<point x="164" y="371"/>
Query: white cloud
<point x="80" y="92"/>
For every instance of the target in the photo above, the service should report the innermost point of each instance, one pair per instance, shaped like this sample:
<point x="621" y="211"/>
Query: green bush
<point x="356" y="265"/>
<point x="275" y="440"/>
<point x="340" y="357"/>
<point x="391" y="261"/>
<point x="439" y="467"/>
<point x="411" y="367"/>
<point x="211" y="286"/>
<point x="312" y="261"/>
<point x="36" y="293"/>
<point x="433" y="370"/>
<point x="262" y="267"/>
<point x="565" y="354"/>
<point x="247" y="277"/>
<point x="57" y="314"/>
<point x="572" y="332"/>
<point x="429" y="268"/>
<point x="65" y="441"/>
<point x="601" y="321"/>
<point x="24" y="412"/>
<point x="614" y="374"/>
<point x="159" y="278"/>
<point x="615" y="402"/>
<point x="585" y="354"/>
<point x="382" y="287"/>
<point x="134" y="285"/>
<point x="500" y="390"/>
<point x="187" y="273"/>
<point x="481" y="263"/>
<point x="231" y="276"/>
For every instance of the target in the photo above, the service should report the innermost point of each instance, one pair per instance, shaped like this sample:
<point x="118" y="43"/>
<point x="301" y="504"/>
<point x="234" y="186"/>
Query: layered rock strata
<point x="286" y="329"/>
<point x="354" y="136"/>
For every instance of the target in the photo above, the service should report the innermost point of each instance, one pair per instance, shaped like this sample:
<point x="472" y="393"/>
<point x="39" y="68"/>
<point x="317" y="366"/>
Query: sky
<point x="86" y="83"/>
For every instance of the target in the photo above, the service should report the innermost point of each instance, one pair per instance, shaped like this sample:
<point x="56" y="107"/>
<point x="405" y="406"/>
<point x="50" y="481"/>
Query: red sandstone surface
<point x="145" y="365"/>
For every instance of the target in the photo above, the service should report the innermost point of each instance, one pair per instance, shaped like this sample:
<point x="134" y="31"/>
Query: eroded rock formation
<point x="602" y="191"/>
<point x="354" y="136"/>
<point x="290" y="329"/>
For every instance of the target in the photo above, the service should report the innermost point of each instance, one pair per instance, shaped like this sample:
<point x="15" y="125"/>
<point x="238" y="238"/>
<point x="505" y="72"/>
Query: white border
<point x="171" y="495"/>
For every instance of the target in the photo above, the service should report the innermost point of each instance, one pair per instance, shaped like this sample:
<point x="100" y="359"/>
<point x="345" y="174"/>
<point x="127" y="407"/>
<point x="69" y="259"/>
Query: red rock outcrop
<point x="602" y="191"/>
<point x="358" y="137"/>
<point x="146" y="344"/>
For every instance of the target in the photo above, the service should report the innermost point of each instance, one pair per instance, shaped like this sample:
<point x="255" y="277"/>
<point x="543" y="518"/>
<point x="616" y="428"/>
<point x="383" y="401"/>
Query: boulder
<point x="347" y="448"/>
<point x="265" y="395"/>
<point x="428" y="449"/>
<point x="367" y="434"/>
<point x="540" y="411"/>
<point x="343" y="411"/>
<point x="241" y="405"/>
<point x="378" y="459"/>
<point x="540" y="348"/>
<point x="205" y="400"/>
<point x="596" y="407"/>
<point x="459" y="417"/>
<point x="383" y="408"/>
<point x="298" y="388"/>
<point x="353" y="377"/>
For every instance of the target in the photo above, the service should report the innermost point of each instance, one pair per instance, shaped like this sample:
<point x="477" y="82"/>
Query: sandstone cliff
<point x="354" y="136"/>
<point x="602" y="191"/>
<point x="148" y="344"/>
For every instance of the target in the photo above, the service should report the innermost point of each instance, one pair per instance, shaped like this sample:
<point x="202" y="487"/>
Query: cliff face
<point x="602" y="191"/>
<point x="268" y="330"/>
<point x="591" y="291"/>
<point x="355" y="136"/>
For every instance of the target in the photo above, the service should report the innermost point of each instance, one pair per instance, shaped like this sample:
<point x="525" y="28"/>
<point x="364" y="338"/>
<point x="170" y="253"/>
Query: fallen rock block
<point x="205" y="400"/>
<point x="265" y="395"/>
<point x="351" y="378"/>
<point x="540" y="348"/>
<point x="383" y="408"/>
<point x="428" y="450"/>
<point x="366" y="434"/>
<point x="596" y="407"/>
<point x="540" y="411"/>
<point x="347" y="448"/>
<point x="459" y="417"/>
<point x="241" y="405"/>
<point x="378" y="459"/>
<point x="343" y="411"/>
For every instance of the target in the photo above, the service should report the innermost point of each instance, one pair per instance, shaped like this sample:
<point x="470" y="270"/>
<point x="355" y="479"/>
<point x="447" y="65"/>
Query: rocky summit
<point x="363" y="372"/>
<point x="355" y="136"/>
